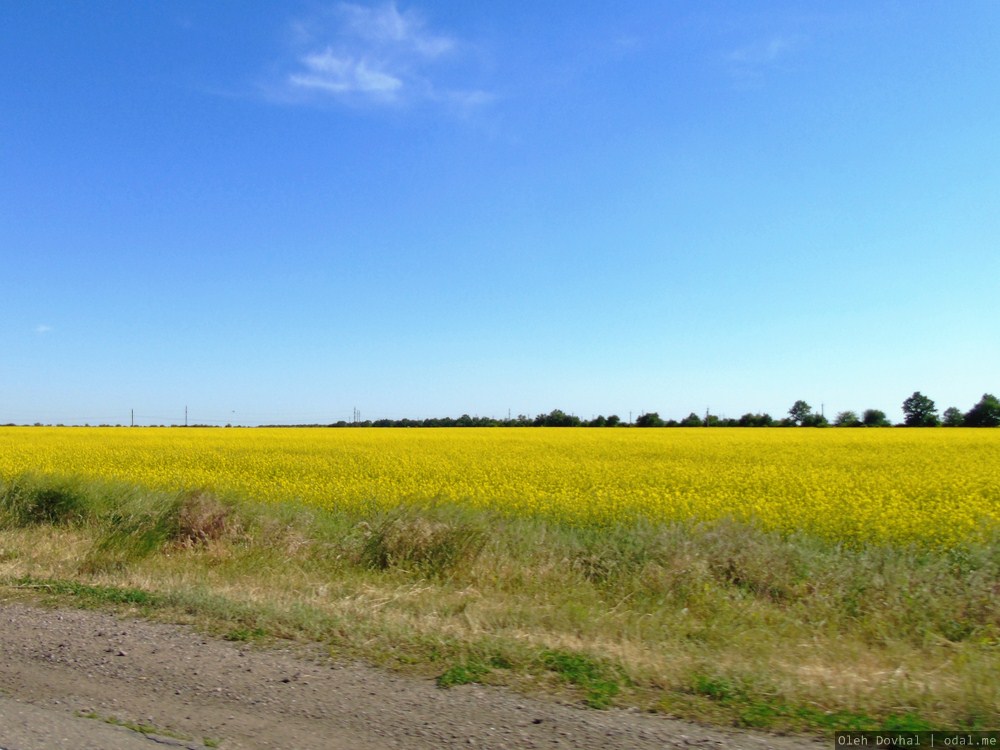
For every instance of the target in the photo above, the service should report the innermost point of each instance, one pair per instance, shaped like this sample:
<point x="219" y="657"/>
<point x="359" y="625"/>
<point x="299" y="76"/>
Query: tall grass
<point x="716" y="621"/>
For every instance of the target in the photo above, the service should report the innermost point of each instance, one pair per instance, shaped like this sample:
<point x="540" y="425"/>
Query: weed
<point x="473" y="669"/>
<point x="608" y="556"/>
<point x="577" y="669"/>
<point x="245" y="634"/>
<point x="28" y="500"/>
<point x="432" y="542"/>
<point x="134" y="530"/>
<point x="136" y="726"/>
<point x="463" y="674"/>
<point x="201" y="518"/>
<point x="91" y="595"/>
<point x="758" y="706"/>
<point x="128" y="536"/>
<point x="717" y="688"/>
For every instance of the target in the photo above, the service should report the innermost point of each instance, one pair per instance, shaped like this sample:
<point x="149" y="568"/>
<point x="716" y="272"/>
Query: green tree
<point x="847" y="419"/>
<point x="874" y="418"/>
<point x="692" y="420"/>
<point x="800" y="412"/>
<point x="755" y="420"/>
<point x="952" y="417"/>
<point x="556" y="418"/>
<point x="613" y="421"/>
<point x="984" y="414"/>
<point x="919" y="411"/>
<point x="649" y="420"/>
<point x="815" y="420"/>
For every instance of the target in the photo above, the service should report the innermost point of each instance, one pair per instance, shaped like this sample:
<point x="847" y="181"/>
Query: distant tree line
<point x="918" y="411"/>
<point x="555" y="418"/>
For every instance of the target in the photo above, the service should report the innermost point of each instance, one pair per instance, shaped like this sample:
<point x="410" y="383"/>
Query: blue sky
<point x="282" y="211"/>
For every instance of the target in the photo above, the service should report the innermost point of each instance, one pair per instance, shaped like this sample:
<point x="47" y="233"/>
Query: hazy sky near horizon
<point x="282" y="211"/>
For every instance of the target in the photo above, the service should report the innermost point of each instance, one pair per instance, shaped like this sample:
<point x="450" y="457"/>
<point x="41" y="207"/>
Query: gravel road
<point x="59" y="666"/>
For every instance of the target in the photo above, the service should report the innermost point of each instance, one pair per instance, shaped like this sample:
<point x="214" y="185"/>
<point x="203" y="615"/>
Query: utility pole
<point x="185" y="416"/>
<point x="133" y="418"/>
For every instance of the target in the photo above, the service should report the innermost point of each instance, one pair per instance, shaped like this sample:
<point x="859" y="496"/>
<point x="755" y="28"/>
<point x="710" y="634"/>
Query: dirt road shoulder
<point x="188" y="690"/>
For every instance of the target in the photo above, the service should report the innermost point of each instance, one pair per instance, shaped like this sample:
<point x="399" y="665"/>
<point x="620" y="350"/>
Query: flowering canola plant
<point x="932" y="487"/>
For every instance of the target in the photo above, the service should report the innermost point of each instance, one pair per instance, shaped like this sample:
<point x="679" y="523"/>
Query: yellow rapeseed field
<point x="937" y="487"/>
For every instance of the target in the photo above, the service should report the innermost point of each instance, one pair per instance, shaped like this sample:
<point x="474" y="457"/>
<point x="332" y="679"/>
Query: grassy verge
<point x="720" y="623"/>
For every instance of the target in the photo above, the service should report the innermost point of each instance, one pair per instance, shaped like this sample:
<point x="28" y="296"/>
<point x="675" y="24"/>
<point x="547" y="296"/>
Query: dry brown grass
<point x="203" y="518"/>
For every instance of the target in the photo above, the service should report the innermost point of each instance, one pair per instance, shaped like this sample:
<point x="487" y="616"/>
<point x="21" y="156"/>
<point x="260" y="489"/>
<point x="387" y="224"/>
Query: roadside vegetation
<point x="718" y="621"/>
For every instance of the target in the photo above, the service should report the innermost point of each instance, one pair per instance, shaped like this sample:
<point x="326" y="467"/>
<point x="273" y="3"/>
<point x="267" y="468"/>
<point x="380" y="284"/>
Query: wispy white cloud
<point x="326" y="71"/>
<point x="750" y="63"/>
<point x="374" y="54"/>
<point x="41" y="329"/>
<point x="386" y="26"/>
<point x="763" y="52"/>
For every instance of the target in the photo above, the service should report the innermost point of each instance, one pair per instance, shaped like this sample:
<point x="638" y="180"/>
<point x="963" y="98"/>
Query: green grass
<point x="753" y="707"/>
<point x="599" y="681"/>
<point x="139" y="727"/>
<point x="463" y="674"/>
<point x="84" y="594"/>
<point x="721" y="623"/>
<point x="245" y="634"/>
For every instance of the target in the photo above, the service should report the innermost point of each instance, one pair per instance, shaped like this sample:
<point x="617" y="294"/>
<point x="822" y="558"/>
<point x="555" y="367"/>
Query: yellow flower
<point x="932" y="487"/>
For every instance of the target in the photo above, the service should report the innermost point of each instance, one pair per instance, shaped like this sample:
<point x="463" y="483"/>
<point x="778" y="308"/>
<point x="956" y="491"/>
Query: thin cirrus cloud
<point x="375" y="54"/>
<point x="327" y="72"/>
<point x="749" y="64"/>
<point x="764" y="52"/>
